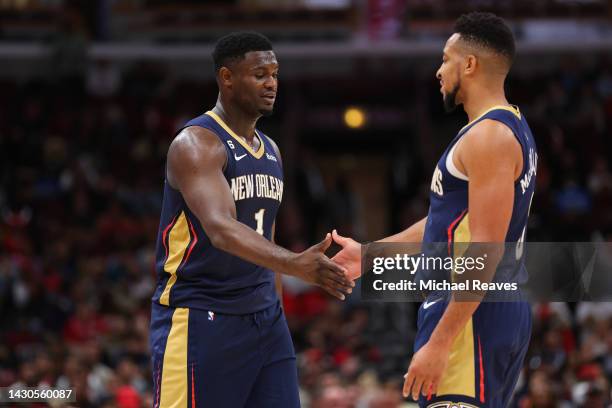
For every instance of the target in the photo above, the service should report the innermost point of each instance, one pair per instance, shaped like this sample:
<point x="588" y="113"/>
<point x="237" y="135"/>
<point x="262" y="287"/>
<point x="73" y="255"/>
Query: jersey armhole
<point x="450" y="164"/>
<point x="455" y="172"/>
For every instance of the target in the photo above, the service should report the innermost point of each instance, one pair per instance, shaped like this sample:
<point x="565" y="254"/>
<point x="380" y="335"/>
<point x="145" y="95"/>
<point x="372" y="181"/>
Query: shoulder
<point x="195" y="141"/>
<point x="490" y="136"/>
<point x="194" y="149"/>
<point x="489" y="147"/>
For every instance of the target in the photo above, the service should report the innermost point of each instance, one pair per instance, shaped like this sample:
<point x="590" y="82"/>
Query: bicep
<point x="209" y="197"/>
<point x="490" y="159"/>
<point x="490" y="203"/>
<point x="196" y="163"/>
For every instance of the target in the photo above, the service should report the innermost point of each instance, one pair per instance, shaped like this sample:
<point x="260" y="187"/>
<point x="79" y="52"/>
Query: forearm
<point x="453" y="320"/>
<point x="240" y="240"/>
<point x="411" y="237"/>
<point x="278" y="282"/>
<point x="413" y="234"/>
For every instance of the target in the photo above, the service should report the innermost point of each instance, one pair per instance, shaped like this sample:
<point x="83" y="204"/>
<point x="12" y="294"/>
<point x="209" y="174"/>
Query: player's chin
<point x="266" y="111"/>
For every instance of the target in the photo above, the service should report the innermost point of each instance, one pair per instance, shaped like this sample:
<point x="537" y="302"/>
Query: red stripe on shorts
<point x="193" y="401"/>
<point x="482" y="382"/>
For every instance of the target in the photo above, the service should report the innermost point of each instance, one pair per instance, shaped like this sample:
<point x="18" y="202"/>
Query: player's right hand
<point x="349" y="256"/>
<point x="313" y="266"/>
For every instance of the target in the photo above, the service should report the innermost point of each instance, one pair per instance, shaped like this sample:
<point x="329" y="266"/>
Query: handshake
<point x="335" y="275"/>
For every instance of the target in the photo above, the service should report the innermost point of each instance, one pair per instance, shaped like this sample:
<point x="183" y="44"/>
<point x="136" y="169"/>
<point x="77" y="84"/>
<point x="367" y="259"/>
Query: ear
<point x="225" y="77"/>
<point x="471" y="62"/>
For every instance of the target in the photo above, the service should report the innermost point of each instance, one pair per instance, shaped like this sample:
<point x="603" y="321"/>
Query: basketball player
<point x="470" y="353"/>
<point x="218" y="334"/>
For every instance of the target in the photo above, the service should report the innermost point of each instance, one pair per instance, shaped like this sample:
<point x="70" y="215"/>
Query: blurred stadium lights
<point x="336" y="118"/>
<point x="354" y="117"/>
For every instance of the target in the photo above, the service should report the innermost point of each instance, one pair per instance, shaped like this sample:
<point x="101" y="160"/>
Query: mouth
<point x="269" y="98"/>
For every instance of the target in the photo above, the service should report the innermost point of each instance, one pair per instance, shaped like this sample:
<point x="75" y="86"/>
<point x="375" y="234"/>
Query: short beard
<point x="450" y="99"/>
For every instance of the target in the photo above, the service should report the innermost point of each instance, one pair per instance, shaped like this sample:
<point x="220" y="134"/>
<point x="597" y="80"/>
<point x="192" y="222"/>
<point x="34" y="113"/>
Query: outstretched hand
<point x="349" y="256"/>
<point x="313" y="266"/>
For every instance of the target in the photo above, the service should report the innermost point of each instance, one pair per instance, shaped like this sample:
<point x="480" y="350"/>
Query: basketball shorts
<point x="486" y="357"/>
<point x="207" y="359"/>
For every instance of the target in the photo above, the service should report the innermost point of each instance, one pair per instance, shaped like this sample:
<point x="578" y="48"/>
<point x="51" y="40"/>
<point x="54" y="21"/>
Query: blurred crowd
<point x="82" y="156"/>
<point x="297" y="21"/>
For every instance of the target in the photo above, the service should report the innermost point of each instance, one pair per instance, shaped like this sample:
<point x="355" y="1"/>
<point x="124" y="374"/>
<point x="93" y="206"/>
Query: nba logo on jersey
<point x="211" y="316"/>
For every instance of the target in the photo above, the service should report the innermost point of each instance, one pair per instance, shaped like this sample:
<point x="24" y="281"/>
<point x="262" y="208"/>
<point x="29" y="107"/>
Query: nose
<point x="271" y="83"/>
<point x="439" y="74"/>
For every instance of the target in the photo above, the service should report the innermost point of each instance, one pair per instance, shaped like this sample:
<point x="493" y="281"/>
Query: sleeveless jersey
<point x="191" y="272"/>
<point x="448" y="218"/>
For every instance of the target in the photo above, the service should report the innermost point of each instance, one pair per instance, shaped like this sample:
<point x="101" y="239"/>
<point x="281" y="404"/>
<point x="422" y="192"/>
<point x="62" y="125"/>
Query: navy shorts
<point x="486" y="356"/>
<point x="206" y="359"/>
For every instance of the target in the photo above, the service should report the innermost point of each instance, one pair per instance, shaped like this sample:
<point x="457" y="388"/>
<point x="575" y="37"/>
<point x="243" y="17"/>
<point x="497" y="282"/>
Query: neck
<point x="483" y="98"/>
<point x="239" y="121"/>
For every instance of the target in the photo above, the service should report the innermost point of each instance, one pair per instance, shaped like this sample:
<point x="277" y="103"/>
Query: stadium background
<point x="90" y="95"/>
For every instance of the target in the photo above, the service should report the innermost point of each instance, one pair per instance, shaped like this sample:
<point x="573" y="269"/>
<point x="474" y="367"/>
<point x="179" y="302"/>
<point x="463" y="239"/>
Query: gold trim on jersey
<point x="460" y="375"/>
<point x="461" y="236"/>
<point x="178" y="241"/>
<point x="512" y="108"/>
<point x="257" y="154"/>
<point x="173" y="393"/>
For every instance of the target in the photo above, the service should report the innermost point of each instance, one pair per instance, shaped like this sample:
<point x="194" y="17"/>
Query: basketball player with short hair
<point x="470" y="353"/>
<point x="219" y="337"/>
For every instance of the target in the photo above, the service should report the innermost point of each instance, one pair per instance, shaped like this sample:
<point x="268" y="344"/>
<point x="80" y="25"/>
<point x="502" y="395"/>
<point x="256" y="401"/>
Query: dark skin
<point x="197" y="158"/>
<point x="247" y="92"/>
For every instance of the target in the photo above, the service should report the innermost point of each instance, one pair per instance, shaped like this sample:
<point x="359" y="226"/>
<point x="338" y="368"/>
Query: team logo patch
<point x="211" y="316"/>
<point x="270" y="157"/>
<point x="449" y="404"/>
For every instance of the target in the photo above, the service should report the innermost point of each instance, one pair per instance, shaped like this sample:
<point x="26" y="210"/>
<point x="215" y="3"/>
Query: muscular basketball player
<point x="470" y="353"/>
<point x="218" y="334"/>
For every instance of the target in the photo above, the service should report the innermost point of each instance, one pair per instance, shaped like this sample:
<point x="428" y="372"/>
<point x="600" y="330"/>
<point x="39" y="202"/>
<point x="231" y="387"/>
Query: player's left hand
<point x="425" y="370"/>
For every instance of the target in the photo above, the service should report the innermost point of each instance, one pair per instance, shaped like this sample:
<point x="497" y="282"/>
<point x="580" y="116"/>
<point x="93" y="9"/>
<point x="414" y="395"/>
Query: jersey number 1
<point x="259" y="217"/>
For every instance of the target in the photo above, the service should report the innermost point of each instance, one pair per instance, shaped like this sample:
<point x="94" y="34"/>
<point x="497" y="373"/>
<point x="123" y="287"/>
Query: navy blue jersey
<point x="190" y="271"/>
<point x="448" y="218"/>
